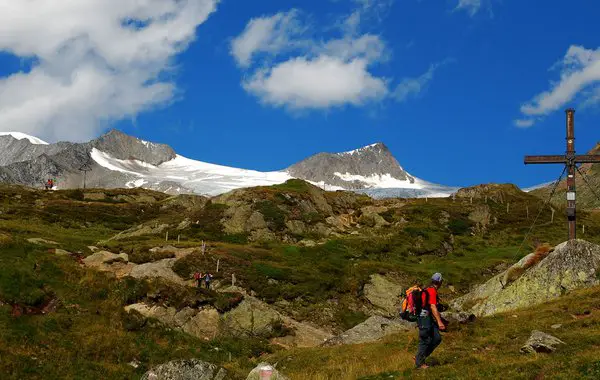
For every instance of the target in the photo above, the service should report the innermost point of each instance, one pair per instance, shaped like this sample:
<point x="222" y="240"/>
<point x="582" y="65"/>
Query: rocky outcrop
<point x="371" y="330"/>
<point x="141" y="230"/>
<point x="190" y="369"/>
<point x="571" y="265"/>
<point x="541" y="342"/>
<point x="104" y="261"/>
<point x="265" y="369"/>
<point x="371" y="216"/>
<point x="203" y="323"/>
<point x="383" y="294"/>
<point x="158" y="269"/>
<point x="494" y="192"/>
<point x="254" y="317"/>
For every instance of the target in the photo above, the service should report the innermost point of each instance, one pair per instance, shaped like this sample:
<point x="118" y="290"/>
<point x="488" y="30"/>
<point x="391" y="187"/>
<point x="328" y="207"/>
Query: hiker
<point x="197" y="277"/>
<point x="49" y="184"/>
<point x="429" y="321"/>
<point x="207" y="279"/>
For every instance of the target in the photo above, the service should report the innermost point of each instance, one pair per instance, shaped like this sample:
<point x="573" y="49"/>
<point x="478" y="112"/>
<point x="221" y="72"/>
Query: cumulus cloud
<point x="95" y="61"/>
<point x="322" y="82"/>
<point x="524" y="123"/>
<point x="579" y="80"/>
<point x="318" y="73"/>
<point x="267" y="34"/>
<point x="470" y="6"/>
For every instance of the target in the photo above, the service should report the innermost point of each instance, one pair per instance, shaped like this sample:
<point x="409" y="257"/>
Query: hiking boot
<point x="423" y="366"/>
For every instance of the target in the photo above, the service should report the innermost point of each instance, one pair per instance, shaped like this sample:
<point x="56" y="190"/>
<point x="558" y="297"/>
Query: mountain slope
<point x="119" y="160"/>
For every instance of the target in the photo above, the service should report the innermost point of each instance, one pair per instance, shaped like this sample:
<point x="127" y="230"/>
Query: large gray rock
<point x="371" y="330"/>
<point x="572" y="265"/>
<point x="383" y="294"/>
<point x="275" y="374"/>
<point x="158" y="269"/>
<point x="541" y="342"/>
<point x="190" y="369"/>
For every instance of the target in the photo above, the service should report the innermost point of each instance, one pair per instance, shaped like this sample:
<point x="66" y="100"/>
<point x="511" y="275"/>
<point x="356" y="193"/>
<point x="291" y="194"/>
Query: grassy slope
<point x="488" y="348"/>
<point x="94" y="338"/>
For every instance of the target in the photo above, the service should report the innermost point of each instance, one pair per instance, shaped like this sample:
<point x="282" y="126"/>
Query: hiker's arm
<point x="437" y="316"/>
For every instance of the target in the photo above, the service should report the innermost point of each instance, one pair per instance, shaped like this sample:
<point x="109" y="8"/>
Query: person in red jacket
<point x="430" y="322"/>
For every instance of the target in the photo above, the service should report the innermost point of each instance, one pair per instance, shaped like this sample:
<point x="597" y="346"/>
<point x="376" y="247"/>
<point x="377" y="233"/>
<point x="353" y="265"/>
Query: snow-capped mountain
<point x="118" y="160"/>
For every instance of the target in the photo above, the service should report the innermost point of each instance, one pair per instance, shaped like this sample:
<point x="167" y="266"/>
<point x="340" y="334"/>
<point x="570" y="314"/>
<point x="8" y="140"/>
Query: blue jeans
<point x="429" y="338"/>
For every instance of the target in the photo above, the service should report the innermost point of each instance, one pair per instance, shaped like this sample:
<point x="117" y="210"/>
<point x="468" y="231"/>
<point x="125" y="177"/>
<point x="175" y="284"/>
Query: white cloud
<point x="471" y="6"/>
<point x="524" y="123"/>
<point x="580" y="70"/>
<point x="314" y="73"/>
<point x="411" y="87"/>
<point x="322" y="82"/>
<point x="95" y="61"/>
<point x="267" y="34"/>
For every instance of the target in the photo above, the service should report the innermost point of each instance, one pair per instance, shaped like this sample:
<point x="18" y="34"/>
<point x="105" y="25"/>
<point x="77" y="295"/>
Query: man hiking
<point x="429" y="321"/>
<point x="207" y="279"/>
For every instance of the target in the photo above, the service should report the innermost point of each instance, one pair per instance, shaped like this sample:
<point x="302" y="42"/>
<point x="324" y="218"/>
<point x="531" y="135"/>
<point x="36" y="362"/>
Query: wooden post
<point x="486" y="199"/>
<point x="552" y="221"/>
<point x="233" y="279"/>
<point x="583" y="229"/>
<point x="178" y="237"/>
<point x="471" y="200"/>
<point x="527" y="209"/>
<point x="203" y="248"/>
<point x="508" y="207"/>
<point x="426" y="200"/>
<point x="218" y="262"/>
<point x="167" y="236"/>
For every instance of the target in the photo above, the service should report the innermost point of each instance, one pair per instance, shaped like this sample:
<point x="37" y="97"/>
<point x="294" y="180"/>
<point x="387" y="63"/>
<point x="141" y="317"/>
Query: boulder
<point x="202" y="323"/>
<point x="458" y="316"/>
<point x="541" y="342"/>
<point x="256" y="221"/>
<point x="234" y="221"/>
<point x="255" y="374"/>
<point x="158" y="269"/>
<point x="296" y="227"/>
<point x="141" y="230"/>
<point x="371" y="330"/>
<point x="61" y="252"/>
<point x="382" y="293"/>
<point x="571" y="265"/>
<point x="190" y="369"/>
<point x="105" y="261"/>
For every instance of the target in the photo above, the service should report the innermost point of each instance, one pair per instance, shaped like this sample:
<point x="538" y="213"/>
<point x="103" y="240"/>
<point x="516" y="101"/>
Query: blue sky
<point x="459" y="90"/>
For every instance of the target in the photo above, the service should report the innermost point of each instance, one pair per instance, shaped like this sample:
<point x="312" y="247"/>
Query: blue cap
<point x="437" y="277"/>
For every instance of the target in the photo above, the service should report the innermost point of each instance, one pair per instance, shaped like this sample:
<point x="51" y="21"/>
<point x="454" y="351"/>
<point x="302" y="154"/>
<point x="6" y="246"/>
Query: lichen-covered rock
<point x="296" y="227"/>
<point x="110" y="262"/>
<point x="371" y="330"/>
<point x="158" y="269"/>
<point x="541" y="342"/>
<point x="191" y="369"/>
<point x="205" y="324"/>
<point x="255" y="374"/>
<point x="384" y="294"/>
<point x="458" y="316"/>
<point x="572" y="265"/>
<point x="141" y="230"/>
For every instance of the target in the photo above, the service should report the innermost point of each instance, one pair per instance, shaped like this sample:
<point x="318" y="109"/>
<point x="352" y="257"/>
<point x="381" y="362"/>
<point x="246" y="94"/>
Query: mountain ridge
<point x="120" y="160"/>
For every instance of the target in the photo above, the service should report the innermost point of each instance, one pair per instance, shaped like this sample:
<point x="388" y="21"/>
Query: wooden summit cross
<point x="570" y="159"/>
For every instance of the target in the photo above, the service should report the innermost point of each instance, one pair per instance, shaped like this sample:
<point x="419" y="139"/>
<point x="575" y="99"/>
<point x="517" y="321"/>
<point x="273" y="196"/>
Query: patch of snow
<point x="352" y="152"/>
<point x="21" y="136"/>
<point x="381" y="181"/>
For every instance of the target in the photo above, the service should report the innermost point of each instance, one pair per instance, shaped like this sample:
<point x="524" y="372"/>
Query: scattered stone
<point x="382" y="293"/>
<point x="371" y="330"/>
<point x="40" y="241"/>
<point x="263" y="370"/>
<point x="541" y="342"/>
<point x="191" y="369"/>
<point x="61" y="252"/>
<point x="556" y="326"/>
<point x="93" y="248"/>
<point x="134" y="363"/>
<point x="458" y="316"/>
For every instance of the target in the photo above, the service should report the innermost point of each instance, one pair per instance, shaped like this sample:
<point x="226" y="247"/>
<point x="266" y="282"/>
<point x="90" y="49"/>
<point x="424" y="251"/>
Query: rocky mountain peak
<point x="125" y="147"/>
<point x="362" y="168"/>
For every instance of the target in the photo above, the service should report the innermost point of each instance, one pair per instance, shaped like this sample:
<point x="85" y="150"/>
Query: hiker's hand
<point x="442" y="326"/>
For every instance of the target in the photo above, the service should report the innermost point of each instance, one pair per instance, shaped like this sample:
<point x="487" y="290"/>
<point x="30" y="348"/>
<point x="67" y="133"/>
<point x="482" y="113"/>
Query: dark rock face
<point x="371" y="160"/>
<point x="125" y="147"/>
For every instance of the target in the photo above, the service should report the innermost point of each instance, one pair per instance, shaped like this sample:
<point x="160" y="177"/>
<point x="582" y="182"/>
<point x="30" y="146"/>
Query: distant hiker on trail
<point x="197" y="277"/>
<point x="429" y="321"/>
<point x="49" y="184"/>
<point x="207" y="279"/>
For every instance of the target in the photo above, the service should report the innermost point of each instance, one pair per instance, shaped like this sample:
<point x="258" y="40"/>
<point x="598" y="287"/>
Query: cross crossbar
<point x="570" y="160"/>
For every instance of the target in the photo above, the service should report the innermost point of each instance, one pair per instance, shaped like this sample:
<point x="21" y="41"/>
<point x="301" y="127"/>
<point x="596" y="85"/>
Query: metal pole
<point x="571" y="168"/>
